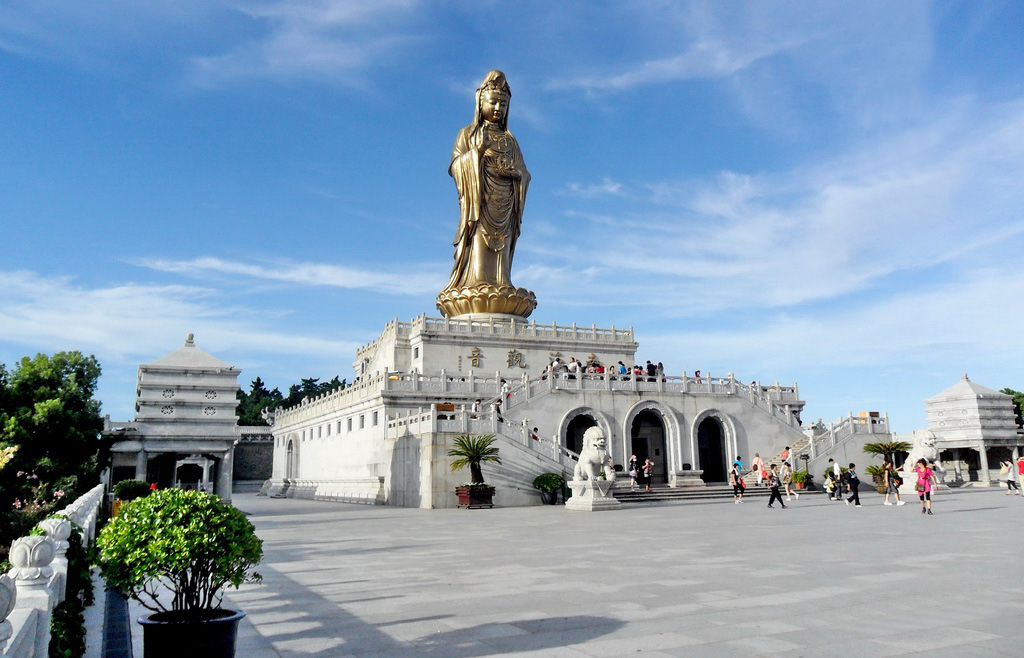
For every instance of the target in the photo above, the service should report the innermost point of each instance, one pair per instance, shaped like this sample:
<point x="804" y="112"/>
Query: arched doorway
<point x="574" y="432"/>
<point x="648" y="440"/>
<point x="291" y="465"/>
<point x="711" y="450"/>
<point x="189" y="476"/>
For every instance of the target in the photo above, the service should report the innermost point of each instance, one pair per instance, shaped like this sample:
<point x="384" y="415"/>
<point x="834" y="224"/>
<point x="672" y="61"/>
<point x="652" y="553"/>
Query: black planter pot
<point x="172" y="634"/>
<point x="549" y="497"/>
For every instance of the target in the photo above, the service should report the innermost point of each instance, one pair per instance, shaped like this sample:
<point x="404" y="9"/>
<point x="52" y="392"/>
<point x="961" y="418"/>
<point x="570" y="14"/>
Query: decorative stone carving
<point x="594" y="459"/>
<point x="58" y="530"/>
<point x="8" y="597"/>
<point x="31" y="557"/>
<point x="590" y="491"/>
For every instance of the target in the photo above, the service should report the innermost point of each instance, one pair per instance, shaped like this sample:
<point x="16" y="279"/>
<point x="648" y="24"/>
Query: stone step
<point x="702" y="493"/>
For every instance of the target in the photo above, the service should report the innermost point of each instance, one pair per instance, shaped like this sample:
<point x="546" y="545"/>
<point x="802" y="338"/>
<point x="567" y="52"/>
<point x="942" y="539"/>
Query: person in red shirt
<point x="1020" y="471"/>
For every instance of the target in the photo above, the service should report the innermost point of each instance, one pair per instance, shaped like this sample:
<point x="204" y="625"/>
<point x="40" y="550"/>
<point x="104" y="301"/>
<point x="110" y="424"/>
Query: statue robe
<point x="490" y="208"/>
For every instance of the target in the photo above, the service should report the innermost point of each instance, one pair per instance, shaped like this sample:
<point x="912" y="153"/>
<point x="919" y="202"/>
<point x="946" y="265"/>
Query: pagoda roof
<point x="965" y="389"/>
<point x="189" y="356"/>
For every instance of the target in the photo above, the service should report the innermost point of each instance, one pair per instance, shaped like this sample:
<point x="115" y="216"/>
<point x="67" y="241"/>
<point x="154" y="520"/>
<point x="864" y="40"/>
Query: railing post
<point x="31" y="557"/>
<point x="444" y="381"/>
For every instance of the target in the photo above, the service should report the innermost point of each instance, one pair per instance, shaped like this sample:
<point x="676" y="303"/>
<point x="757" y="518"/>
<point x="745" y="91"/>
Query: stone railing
<point x="844" y="428"/>
<point x="465" y="421"/>
<point x="492" y="327"/>
<point x="36" y="583"/>
<point x="782" y="402"/>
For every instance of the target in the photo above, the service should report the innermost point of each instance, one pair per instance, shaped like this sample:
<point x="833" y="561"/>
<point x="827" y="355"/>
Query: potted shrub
<point x="799" y="479"/>
<point x="472" y="451"/>
<point x="128" y="490"/>
<point x="549" y="484"/>
<point x="188" y="546"/>
<point x="877" y="474"/>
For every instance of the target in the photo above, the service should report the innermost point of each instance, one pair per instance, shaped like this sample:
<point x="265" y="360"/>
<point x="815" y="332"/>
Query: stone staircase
<point x="694" y="494"/>
<point x="795" y="449"/>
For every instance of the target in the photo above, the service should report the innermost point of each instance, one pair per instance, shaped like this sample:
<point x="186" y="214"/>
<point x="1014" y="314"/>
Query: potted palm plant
<point x="472" y="451"/>
<point x="186" y="546"/>
<point x="877" y="474"/>
<point x="549" y="484"/>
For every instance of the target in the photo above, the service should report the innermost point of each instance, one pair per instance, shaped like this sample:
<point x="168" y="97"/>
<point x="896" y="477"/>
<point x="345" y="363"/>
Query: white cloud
<point x="327" y="40"/>
<point x="133" y="321"/>
<point x="318" y="274"/>
<point x="607" y="186"/>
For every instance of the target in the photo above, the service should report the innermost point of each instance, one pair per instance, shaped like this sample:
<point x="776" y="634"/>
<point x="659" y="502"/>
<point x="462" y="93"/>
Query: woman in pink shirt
<point x="925" y="477"/>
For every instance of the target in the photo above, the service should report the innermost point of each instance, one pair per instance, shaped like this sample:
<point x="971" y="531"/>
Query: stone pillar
<point x="984" y="477"/>
<point x="141" y="466"/>
<point x="31" y="557"/>
<point x="227" y="463"/>
<point x="958" y="475"/>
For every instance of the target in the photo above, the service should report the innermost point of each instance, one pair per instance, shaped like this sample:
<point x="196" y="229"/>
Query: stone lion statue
<point x="594" y="457"/>
<point x="924" y="448"/>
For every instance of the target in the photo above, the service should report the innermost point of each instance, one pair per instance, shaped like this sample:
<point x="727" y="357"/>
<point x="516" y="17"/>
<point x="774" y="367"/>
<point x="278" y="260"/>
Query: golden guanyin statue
<point x="492" y="181"/>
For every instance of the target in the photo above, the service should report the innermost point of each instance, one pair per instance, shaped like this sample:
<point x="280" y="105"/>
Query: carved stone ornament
<point x="8" y="596"/>
<point x="58" y="530"/>
<point x="31" y="557"/>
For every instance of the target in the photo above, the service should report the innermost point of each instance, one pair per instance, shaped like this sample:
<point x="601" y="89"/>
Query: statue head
<point x="492" y="98"/>
<point x="594" y="437"/>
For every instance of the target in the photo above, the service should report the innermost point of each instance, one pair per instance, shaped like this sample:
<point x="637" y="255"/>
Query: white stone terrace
<point x="776" y="399"/>
<point x="497" y="327"/>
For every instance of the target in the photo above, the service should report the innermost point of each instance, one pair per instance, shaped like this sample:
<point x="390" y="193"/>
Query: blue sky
<point x="828" y="193"/>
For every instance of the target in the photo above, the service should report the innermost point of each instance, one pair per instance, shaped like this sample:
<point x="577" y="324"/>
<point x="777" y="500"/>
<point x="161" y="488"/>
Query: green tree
<point x="311" y="387"/>
<point x="49" y="415"/>
<point x="887" y="449"/>
<point x="251" y="404"/>
<point x="1018" y="404"/>
<point x="471" y="451"/>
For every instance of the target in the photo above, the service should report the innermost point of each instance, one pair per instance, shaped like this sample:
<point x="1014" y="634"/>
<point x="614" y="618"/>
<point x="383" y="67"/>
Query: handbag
<point x="919" y="488"/>
<point x="632" y="473"/>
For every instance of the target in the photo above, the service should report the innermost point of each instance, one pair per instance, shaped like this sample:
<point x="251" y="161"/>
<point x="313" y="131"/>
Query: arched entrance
<point x="189" y="476"/>
<point x="574" y="432"/>
<point x="711" y="450"/>
<point x="291" y="463"/>
<point x="648" y="440"/>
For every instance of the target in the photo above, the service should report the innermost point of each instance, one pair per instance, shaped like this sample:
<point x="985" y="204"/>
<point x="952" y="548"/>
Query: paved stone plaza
<point x="695" y="579"/>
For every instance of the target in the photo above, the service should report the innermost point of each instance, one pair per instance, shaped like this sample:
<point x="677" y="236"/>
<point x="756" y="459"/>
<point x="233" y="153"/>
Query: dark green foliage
<point x="472" y="451"/>
<point x="800" y="476"/>
<point x="311" y="388"/>
<point x="67" y="627"/>
<point x="549" y="482"/>
<point x="887" y="449"/>
<point x="47" y="411"/>
<point x="190" y="541"/>
<point x="1018" y="404"/>
<point x="126" y="490"/>
<point x="251" y="404"/>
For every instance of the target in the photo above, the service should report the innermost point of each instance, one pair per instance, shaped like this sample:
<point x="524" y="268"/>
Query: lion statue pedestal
<point x="593" y="477"/>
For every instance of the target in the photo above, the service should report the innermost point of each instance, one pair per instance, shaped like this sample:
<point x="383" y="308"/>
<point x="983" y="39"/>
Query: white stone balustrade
<point x="844" y="428"/>
<point x="37" y="579"/>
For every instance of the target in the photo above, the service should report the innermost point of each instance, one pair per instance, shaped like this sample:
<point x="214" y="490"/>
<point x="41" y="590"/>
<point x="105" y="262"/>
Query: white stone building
<point x="973" y="427"/>
<point x="384" y="439"/>
<point x="185" y="426"/>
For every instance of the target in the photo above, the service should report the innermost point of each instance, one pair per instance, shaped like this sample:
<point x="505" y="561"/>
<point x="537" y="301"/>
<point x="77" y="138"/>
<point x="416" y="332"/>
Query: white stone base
<point x="592" y="496"/>
<point x="686" y="479"/>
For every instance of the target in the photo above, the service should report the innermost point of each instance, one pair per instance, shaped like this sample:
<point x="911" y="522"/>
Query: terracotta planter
<point x="172" y="634"/>
<point x="799" y="485"/>
<point x="475" y="496"/>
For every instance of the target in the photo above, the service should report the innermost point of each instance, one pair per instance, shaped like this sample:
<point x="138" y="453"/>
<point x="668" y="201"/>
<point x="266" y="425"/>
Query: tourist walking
<point x="758" y="466"/>
<point x="736" y="480"/>
<point x="854" y="483"/>
<point x="787" y="481"/>
<point x="892" y="482"/>
<point x="775" y="483"/>
<point x="1008" y="470"/>
<point x="1020" y="471"/>
<point x="633" y="484"/>
<point x="925" y="476"/>
<point x="648" y="473"/>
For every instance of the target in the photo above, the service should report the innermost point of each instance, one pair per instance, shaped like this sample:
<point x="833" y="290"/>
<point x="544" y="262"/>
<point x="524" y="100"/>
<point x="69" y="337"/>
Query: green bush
<point x="549" y="482"/>
<point x="126" y="490"/>
<point x="189" y="541"/>
<point x="67" y="626"/>
<point x="799" y="476"/>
